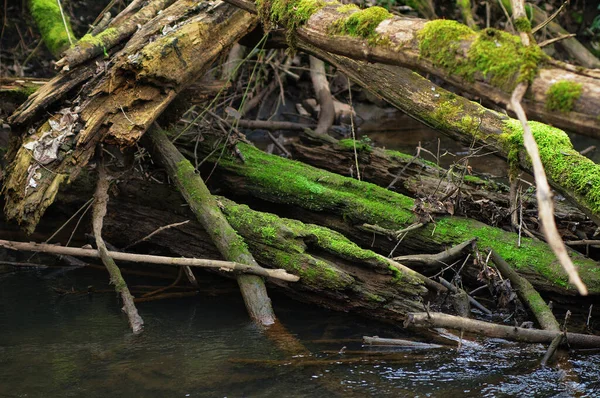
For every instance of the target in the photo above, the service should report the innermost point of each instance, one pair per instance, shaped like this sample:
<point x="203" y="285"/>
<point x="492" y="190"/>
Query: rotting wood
<point x="227" y="266"/>
<point x="438" y="320"/>
<point x="123" y="98"/>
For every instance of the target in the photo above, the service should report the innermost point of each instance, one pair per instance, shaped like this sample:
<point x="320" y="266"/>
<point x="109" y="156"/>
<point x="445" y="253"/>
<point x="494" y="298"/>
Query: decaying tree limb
<point x="206" y="210"/>
<point x="90" y="46"/>
<point x="438" y="320"/>
<point x="228" y="266"/>
<point x="99" y="211"/>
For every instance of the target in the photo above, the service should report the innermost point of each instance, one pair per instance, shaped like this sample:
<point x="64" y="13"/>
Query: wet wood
<point x="205" y="208"/>
<point x="438" y="320"/>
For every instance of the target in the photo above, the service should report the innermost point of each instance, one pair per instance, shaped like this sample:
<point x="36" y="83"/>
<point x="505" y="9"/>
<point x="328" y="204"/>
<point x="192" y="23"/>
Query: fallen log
<point x="438" y="320"/>
<point x="488" y="63"/>
<point x="346" y="204"/>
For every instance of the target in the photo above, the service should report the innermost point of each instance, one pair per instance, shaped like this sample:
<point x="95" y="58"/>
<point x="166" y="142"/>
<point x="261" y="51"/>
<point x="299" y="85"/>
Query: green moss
<point x="494" y="55"/>
<point x="319" y="190"/>
<point x="362" y="24"/>
<point x="289" y="14"/>
<point x="48" y="18"/>
<point x="532" y="254"/>
<point x="561" y="96"/>
<point x="346" y="8"/>
<point x="102" y="39"/>
<point x="361" y="146"/>
<point x="563" y="164"/>
<point x="523" y="25"/>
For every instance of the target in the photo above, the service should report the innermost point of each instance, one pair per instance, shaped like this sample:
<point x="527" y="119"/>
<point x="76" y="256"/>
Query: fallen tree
<point x="346" y="205"/>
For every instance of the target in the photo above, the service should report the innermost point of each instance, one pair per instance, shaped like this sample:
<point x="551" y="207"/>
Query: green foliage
<point x="561" y="96"/>
<point x="290" y="14"/>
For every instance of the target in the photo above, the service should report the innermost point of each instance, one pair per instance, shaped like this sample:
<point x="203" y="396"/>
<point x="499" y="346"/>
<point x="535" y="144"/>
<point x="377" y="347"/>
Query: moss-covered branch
<point x="573" y="175"/>
<point x="53" y="24"/>
<point x="488" y="63"/>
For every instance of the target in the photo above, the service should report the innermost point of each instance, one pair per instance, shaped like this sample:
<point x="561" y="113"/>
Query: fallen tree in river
<point x="119" y="100"/>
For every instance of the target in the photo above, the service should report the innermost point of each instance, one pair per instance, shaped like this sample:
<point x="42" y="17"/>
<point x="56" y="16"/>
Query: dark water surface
<point x="80" y="346"/>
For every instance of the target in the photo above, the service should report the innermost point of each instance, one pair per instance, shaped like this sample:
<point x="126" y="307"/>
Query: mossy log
<point x="488" y="63"/>
<point x="345" y="204"/>
<point x="119" y="101"/>
<point x="334" y="272"/>
<point x="455" y="191"/>
<point x="204" y="206"/>
<point x="573" y="175"/>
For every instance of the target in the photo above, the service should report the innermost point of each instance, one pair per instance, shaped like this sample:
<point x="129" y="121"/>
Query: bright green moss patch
<point x="48" y="19"/>
<point x="563" y="164"/>
<point x="561" y="96"/>
<point x="289" y="14"/>
<point x="101" y="39"/>
<point x="523" y="25"/>
<point x="494" y="55"/>
<point x="346" y="8"/>
<point x="361" y="146"/>
<point x="532" y="255"/>
<point x="362" y="24"/>
<point x="318" y="190"/>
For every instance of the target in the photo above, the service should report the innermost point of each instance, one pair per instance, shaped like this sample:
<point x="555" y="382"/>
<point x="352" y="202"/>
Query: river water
<point x="71" y="345"/>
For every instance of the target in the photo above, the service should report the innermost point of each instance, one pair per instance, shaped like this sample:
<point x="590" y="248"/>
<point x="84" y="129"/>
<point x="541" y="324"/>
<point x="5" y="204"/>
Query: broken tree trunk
<point x="120" y="101"/>
<point x="346" y="205"/>
<point x="206" y="210"/>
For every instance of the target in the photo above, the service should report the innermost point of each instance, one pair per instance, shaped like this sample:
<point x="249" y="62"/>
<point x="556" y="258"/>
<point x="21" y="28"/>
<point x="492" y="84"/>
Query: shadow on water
<point x="79" y="345"/>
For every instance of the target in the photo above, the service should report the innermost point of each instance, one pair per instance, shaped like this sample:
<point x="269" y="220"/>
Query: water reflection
<point x="205" y="347"/>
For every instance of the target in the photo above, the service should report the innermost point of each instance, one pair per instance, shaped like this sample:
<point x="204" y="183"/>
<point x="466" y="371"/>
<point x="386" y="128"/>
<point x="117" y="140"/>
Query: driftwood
<point x="438" y="320"/>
